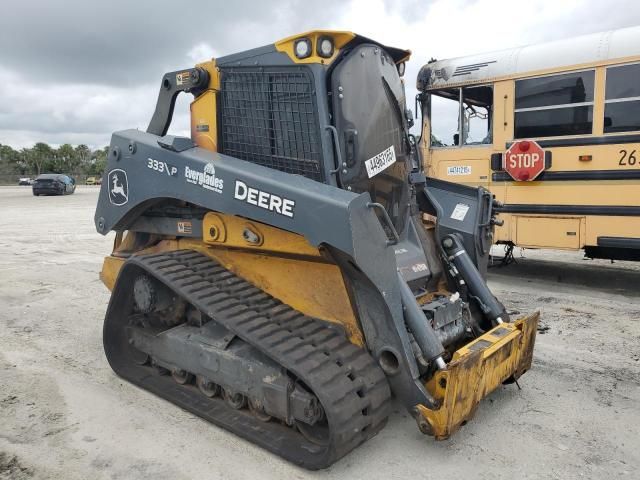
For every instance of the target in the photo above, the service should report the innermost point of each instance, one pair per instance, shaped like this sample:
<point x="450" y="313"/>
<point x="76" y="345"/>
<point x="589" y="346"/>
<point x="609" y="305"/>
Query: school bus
<point x="579" y="100"/>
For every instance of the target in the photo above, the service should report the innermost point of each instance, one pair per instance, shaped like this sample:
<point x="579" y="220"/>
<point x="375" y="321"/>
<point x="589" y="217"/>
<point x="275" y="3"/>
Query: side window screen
<point x="622" y="99"/>
<point x="477" y="115"/>
<point x="445" y="113"/>
<point x="555" y="105"/>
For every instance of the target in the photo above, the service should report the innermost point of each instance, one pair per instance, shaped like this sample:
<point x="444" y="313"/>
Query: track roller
<point x="233" y="399"/>
<point x="257" y="410"/>
<point x="207" y="387"/>
<point x="182" y="377"/>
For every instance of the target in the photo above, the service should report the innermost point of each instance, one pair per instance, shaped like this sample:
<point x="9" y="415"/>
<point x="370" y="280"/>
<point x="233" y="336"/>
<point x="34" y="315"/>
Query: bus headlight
<point x="302" y="48"/>
<point x="324" y="47"/>
<point x="401" y="67"/>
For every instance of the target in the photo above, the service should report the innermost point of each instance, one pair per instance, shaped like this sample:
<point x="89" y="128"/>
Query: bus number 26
<point x="627" y="158"/>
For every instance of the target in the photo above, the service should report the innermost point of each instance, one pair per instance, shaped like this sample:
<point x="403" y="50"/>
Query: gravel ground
<point x="65" y="415"/>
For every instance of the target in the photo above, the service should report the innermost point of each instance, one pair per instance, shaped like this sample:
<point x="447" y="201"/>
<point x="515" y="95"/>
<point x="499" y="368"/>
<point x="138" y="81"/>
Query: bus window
<point x="477" y="115"/>
<point x="622" y="99"/>
<point x="444" y="115"/>
<point x="555" y="105"/>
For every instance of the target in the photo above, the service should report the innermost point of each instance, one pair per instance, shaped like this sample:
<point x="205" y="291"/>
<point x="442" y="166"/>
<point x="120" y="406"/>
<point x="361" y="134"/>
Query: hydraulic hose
<point x="426" y="338"/>
<point x="477" y="286"/>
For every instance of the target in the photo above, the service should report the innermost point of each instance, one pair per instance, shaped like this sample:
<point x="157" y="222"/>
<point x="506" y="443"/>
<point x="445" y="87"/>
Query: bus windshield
<point x="448" y="119"/>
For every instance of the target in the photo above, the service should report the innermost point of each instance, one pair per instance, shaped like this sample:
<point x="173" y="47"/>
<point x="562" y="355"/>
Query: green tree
<point x="98" y="162"/>
<point x="84" y="157"/>
<point x="37" y="159"/>
<point x="9" y="160"/>
<point x="66" y="159"/>
<point x="42" y="158"/>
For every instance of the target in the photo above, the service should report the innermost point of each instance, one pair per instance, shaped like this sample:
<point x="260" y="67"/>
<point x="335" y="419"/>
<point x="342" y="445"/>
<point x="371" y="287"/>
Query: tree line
<point x="43" y="158"/>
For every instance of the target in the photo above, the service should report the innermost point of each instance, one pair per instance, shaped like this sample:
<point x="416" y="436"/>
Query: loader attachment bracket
<point x="465" y="211"/>
<point x="477" y="369"/>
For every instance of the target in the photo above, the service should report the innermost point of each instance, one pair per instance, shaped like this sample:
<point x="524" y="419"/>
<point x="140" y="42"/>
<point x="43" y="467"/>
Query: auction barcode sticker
<point x="380" y="162"/>
<point x="460" y="212"/>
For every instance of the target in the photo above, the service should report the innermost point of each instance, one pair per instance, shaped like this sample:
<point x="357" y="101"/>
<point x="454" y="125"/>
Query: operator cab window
<point x="474" y="119"/>
<point x="622" y="99"/>
<point x="555" y="105"/>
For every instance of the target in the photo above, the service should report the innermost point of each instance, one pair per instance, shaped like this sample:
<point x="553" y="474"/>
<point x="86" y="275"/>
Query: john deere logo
<point x="118" y="187"/>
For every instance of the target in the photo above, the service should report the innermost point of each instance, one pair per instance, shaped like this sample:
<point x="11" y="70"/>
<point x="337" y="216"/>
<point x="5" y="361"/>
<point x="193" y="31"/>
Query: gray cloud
<point x="75" y="71"/>
<point x="79" y="70"/>
<point x="121" y="42"/>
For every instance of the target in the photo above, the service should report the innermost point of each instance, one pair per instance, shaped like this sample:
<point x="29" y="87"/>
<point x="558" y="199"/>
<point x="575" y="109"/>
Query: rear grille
<point x="268" y="117"/>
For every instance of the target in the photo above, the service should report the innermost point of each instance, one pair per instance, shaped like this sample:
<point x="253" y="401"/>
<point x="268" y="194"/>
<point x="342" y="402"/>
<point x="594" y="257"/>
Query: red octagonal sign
<point x="524" y="161"/>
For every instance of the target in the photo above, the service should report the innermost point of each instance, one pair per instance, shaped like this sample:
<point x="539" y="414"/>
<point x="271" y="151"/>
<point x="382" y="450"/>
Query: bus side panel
<point x="594" y="165"/>
<point x="549" y="232"/>
<point x="601" y="226"/>
<point x="468" y="166"/>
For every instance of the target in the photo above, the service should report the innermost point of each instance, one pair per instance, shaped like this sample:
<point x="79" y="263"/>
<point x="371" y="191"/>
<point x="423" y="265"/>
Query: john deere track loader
<point x="287" y="269"/>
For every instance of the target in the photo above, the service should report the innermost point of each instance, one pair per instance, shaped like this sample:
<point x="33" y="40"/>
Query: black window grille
<point x="269" y="117"/>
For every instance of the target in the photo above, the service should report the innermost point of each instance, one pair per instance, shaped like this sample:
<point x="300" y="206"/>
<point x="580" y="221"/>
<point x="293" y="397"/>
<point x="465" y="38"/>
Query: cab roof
<point x="342" y="39"/>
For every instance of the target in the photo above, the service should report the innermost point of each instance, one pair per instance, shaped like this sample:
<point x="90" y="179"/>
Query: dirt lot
<point x="65" y="415"/>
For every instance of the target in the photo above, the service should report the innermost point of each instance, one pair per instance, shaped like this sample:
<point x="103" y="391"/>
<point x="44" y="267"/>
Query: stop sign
<point x="524" y="160"/>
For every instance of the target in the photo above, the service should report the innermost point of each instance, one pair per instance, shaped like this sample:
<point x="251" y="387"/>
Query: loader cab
<point x="327" y="105"/>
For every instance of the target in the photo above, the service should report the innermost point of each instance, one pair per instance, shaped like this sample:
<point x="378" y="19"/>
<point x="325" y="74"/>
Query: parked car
<point x="91" y="181"/>
<point x="54" y="184"/>
<point x="25" y="181"/>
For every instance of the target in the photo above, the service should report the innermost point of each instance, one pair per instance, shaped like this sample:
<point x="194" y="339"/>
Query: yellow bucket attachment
<point x="477" y="369"/>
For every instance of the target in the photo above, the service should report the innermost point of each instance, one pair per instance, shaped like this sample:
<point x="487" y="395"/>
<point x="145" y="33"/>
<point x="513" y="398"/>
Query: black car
<point x="54" y="184"/>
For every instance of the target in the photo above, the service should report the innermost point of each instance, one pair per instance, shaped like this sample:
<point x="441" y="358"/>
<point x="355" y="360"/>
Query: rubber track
<point x="351" y="387"/>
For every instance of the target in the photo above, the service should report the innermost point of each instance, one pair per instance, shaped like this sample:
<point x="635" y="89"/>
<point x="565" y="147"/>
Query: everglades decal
<point x="205" y="178"/>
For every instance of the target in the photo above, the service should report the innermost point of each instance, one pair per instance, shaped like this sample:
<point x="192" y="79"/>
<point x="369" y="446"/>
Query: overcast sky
<point x="74" y="71"/>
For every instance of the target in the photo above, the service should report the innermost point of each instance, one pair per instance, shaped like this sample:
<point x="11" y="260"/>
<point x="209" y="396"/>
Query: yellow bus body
<point x="590" y="196"/>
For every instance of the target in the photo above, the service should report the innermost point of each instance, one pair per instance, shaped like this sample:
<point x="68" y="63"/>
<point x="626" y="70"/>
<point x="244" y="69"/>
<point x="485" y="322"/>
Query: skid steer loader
<point x="288" y="268"/>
